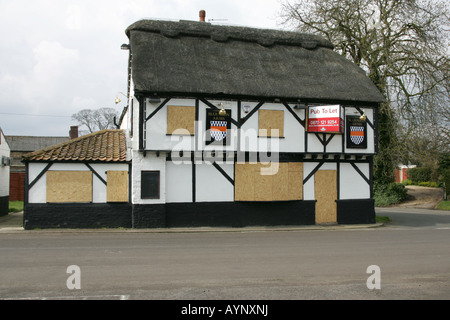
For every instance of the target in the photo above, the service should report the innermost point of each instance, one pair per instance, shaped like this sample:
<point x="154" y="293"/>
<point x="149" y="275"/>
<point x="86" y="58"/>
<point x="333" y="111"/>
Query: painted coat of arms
<point x="217" y="127"/>
<point x="356" y="133"/>
<point x="218" y="130"/>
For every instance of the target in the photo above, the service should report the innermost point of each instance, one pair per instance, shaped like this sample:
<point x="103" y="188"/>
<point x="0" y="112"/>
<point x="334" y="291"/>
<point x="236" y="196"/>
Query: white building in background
<point x="5" y="163"/>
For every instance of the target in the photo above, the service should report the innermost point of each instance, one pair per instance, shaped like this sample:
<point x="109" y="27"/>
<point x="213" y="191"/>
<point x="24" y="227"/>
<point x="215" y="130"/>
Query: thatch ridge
<point x="198" y="58"/>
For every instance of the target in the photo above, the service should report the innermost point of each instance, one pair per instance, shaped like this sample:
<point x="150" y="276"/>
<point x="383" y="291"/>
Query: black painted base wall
<point x="356" y="211"/>
<point x="240" y="214"/>
<point x="79" y="216"/>
<point x="4" y="205"/>
<point x="223" y="214"/>
<point x="175" y="215"/>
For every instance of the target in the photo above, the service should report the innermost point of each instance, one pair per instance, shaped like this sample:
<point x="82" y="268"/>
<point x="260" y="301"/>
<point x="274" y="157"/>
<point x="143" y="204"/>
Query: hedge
<point x="417" y="175"/>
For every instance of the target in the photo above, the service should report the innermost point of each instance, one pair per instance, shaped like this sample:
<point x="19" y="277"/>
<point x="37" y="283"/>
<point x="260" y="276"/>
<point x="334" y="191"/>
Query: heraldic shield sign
<point x="356" y="133"/>
<point x="217" y="127"/>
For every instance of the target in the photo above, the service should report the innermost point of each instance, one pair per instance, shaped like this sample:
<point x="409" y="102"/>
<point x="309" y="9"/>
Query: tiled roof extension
<point x="101" y="146"/>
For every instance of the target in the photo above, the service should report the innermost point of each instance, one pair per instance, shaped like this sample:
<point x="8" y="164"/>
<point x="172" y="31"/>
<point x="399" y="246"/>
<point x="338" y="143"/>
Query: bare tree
<point x="96" y="120"/>
<point x="402" y="45"/>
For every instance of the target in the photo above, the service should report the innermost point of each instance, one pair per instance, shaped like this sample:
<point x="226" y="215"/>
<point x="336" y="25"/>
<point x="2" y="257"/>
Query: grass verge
<point x="382" y="219"/>
<point x="15" y="206"/>
<point x="444" y="205"/>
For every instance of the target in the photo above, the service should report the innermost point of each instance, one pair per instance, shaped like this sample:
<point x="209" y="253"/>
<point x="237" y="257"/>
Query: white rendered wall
<point x="335" y="144"/>
<point x="158" y="140"/>
<point x="293" y="131"/>
<point x="211" y="185"/>
<point x="314" y="145"/>
<point x="308" y="187"/>
<point x="4" y="171"/>
<point x="352" y="185"/>
<point x="38" y="193"/>
<point x="178" y="182"/>
<point x="156" y="128"/>
<point x="134" y="115"/>
<point x="151" y="162"/>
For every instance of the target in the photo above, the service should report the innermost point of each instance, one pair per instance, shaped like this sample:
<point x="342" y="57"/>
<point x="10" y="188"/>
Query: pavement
<point x="13" y="222"/>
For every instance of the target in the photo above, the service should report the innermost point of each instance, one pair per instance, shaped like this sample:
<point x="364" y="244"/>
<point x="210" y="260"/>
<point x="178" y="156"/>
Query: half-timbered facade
<point x="224" y="126"/>
<point x="80" y="183"/>
<point x="233" y="126"/>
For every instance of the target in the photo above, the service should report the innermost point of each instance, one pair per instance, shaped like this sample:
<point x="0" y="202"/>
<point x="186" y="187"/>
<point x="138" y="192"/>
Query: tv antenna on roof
<point x="202" y="14"/>
<point x="211" y="20"/>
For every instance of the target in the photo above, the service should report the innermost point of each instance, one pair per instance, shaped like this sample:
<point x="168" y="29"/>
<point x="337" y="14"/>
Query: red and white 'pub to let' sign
<point x="326" y="119"/>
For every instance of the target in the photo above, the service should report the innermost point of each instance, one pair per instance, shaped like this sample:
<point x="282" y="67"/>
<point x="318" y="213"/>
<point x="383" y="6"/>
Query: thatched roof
<point x="198" y="58"/>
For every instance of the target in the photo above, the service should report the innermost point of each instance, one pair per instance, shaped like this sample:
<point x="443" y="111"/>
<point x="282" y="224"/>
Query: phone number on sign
<point x="323" y="122"/>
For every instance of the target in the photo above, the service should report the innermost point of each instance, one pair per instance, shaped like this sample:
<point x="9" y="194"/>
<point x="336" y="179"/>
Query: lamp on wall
<point x="246" y="108"/>
<point x="300" y="106"/>
<point x="363" y="117"/>
<point x="154" y="100"/>
<point x="222" y="111"/>
<point x="118" y="100"/>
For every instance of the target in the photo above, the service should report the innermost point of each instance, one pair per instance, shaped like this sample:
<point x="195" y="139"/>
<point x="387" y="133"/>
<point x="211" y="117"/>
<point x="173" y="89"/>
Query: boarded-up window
<point x="271" y="123"/>
<point x="69" y="186"/>
<point x="150" y="183"/>
<point x="325" y="186"/>
<point x="295" y="184"/>
<point x="180" y="120"/>
<point x="117" y="186"/>
<point x="284" y="184"/>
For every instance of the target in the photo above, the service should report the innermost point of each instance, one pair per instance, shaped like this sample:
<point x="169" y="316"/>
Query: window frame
<point x="159" y="185"/>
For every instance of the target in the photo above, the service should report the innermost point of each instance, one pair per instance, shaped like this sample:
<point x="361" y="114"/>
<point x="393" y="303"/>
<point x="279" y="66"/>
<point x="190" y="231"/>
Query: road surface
<point x="412" y="254"/>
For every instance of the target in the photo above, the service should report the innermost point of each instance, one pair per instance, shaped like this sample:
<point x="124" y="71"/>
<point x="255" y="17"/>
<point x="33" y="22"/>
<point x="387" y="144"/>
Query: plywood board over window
<point x="244" y="185"/>
<point x="325" y="187"/>
<point x="180" y="120"/>
<point x="263" y="183"/>
<point x="117" y="186"/>
<point x="271" y="123"/>
<point x="295" y="180"/>
<point x="280" y="182"/>
<point x="69" y="186"/>
<point x="284" y="184"/>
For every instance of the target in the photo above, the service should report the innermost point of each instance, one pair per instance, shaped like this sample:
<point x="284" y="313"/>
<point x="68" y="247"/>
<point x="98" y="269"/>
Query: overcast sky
<point x="58" y="57"/>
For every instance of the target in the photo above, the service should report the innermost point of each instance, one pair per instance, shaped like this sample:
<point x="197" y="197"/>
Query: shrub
<point x="445" y="178"/>
<point x="429" y="184"/>
<point x="417" y="175"/>
<point x="407" y="182"/>
<point x="398" y="190"/>
<point x="386" y="195"/>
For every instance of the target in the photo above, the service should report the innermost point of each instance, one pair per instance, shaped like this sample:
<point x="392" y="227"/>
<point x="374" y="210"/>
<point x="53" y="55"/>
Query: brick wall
<point x="16" y="186"/>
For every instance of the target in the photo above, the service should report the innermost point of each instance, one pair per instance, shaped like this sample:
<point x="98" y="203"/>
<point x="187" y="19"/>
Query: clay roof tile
<point x="105" y="145"/>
